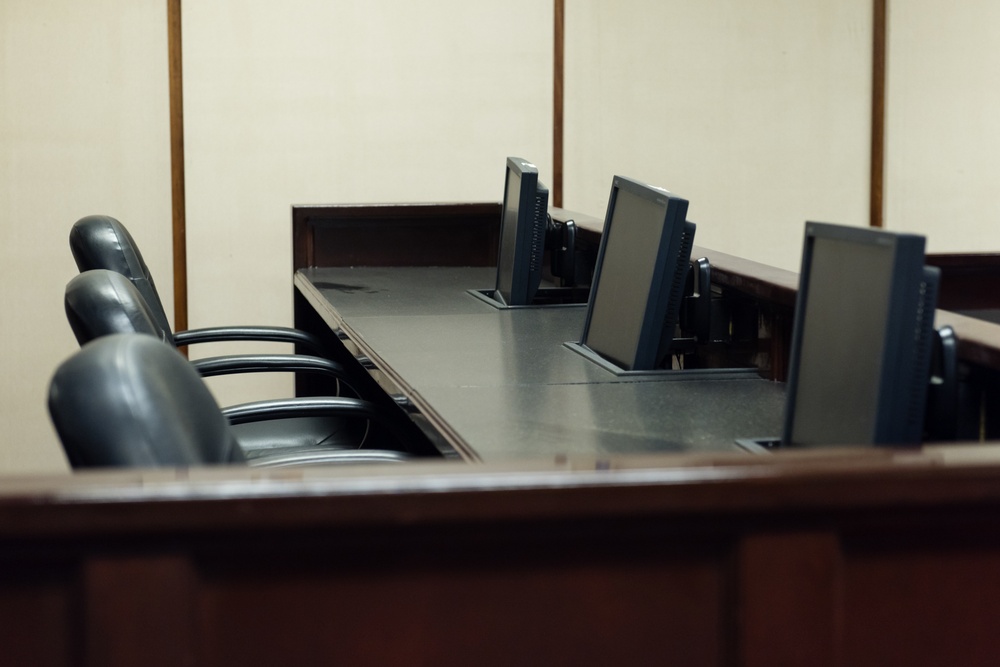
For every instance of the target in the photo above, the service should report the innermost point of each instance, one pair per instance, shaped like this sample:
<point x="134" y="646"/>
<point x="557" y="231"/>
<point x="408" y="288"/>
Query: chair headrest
<point x="131" y="400"/>
<point x="101" y="302"/>
<point x="102" y="242"/>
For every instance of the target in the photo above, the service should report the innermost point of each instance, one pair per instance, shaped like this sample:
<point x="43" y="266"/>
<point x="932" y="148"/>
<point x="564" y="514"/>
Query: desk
<point x="500" y="383"/>
<point x="762" y="298"/>
<point x="868" y="558"/>
<point x="859" y="557"/>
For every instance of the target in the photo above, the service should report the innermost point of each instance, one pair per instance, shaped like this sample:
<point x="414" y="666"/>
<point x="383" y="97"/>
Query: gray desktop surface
<point x="403" y="290"/>
<point x="513" y="347"/>
<point x="542" y="421"/>
<point x="503" y="380"/>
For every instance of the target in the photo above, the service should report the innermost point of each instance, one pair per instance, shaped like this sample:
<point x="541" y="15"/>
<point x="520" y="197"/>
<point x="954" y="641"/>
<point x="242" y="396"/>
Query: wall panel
<point x="758" y="113"/>
<point x="310" y="101"/>
<point x="943" y="123"/>
<point x="83" y="129"/>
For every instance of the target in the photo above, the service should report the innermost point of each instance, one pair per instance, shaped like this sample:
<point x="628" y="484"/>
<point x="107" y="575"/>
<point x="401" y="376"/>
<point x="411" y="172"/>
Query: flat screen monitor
<point x="861" y="342"/>
<point x="639" y="277"/>
<point x="524" y="221"/>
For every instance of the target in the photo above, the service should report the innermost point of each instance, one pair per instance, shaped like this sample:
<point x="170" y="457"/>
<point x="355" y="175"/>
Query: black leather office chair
<point x="101" y="303"/>
<point x="101" y="242"/>
<point x="129" y="400"/>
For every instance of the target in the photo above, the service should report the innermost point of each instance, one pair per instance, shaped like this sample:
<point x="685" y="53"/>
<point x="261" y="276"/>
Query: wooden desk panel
<point x="843" y="558"/>
<point x="969" y="281"/>
<point x="396" y="235"/>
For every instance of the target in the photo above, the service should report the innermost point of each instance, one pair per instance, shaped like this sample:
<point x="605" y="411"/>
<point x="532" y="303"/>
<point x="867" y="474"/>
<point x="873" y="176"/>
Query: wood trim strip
<point x="147" y="603"/>
<point x="466" y="234"/>
<point x="557" y="109"/>
<point x="178" y="200"/>
<point x="789" y="585"/>
<point x="876" y="213"/>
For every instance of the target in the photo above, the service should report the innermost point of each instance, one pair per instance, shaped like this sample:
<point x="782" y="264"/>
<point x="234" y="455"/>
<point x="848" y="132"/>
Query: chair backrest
<point x="129" y="400"/>
<point x="101" y="242"/>
<point x="100" y="302"/>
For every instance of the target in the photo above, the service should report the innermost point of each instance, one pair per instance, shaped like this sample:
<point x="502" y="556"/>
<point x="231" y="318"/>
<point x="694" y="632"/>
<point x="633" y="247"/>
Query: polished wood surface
<point x="969" y="281"/>
<point x="400" y="235"/>
<point x="844" y="558"/>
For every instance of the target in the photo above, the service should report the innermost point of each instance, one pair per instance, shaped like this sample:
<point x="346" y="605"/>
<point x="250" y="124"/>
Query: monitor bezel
<point x="907" y="273"/>
<point x="648" y="347"/>
<point x="521" y="290"/>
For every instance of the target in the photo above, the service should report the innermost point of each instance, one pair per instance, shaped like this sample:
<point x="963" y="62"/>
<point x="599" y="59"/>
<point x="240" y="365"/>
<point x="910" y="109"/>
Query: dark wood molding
<point x="178" y="199"/>
<point x="557" y="106"/>
<point x="969" y="281"/>
<point x="818" y="558"/>
<point x="876" y="212"/>
<point x="396" y="235"/>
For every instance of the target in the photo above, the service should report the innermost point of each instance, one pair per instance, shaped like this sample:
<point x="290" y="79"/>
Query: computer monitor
<point x="862" y="337"/>
<point x="522" y="236"/>
<point x="638" y="284"/>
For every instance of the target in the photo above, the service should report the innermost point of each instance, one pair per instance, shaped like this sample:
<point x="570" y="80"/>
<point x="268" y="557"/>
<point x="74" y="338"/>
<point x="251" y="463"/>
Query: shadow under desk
<point x="500" y="383"/>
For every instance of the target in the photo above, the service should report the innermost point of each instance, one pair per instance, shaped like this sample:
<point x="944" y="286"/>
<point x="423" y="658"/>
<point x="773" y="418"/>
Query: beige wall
<point x="310" y="101"/>
<point x="83" y="129"/>
<point x="943" y="123"/>
<point x="759" y="115"/>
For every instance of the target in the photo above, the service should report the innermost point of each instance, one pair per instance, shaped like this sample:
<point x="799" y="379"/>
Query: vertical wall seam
<point x="877" y="211"/>
<point x="178" y="200"/>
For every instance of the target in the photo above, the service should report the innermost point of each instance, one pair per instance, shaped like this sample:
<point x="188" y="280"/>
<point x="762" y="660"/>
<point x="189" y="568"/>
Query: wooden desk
<point x="869" y="558"/>
<point x="351" y="279"/>
<point x="763" y="297"/>
<point x="501" y="383"/>
<point x="837" y="558"/>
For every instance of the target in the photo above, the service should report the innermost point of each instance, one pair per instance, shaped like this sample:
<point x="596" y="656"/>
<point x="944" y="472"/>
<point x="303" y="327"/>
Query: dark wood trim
<point x="969" y="281"/>
<point x="876" y="211"/>
<point x="177" y="164"/>
<point x="396" y="235"/>
<point x="147" y="596"/>
<point x="811" y="558"/>
<point x="557" y="107"/>
<point x="800" y="572"/>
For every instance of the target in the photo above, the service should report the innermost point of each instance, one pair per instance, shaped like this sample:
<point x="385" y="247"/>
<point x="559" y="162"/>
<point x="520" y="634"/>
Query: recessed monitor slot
<point x="862" y="341"/>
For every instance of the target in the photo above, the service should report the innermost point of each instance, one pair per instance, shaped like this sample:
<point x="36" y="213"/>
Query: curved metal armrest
<point x="351" y="456"/>
<point x="270" y="334"/>
<point x="271" y="363"/>
<point x="287" y="408"/>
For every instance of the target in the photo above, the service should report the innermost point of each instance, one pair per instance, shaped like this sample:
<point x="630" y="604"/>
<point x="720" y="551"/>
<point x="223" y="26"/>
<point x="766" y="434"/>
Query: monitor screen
<point x="860" y="358"/>
<point x="639" y="278"/>
<point x="524" y="220"/>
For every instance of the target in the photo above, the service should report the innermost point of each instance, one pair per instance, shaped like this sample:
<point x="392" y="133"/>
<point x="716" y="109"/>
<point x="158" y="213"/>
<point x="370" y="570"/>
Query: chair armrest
<point x="350" y="456"/>
<point x="287" y="408"/>
<point x="270" y="334"/>
<point x="271" y="363"/>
